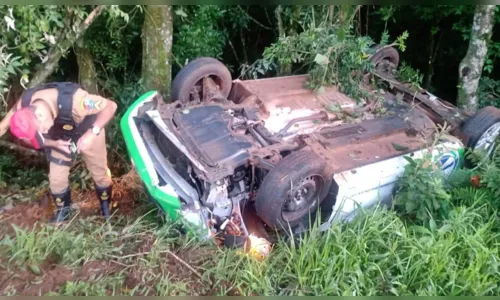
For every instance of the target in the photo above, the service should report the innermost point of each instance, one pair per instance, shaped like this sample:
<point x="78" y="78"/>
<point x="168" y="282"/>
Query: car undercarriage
<point x="268" y="155"/>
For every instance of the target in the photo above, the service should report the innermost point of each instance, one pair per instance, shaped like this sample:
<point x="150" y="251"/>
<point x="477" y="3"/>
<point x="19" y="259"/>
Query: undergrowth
<point x="331" y="55"/>
<point x="22" y="173"/>
<point x="442" y="239"/>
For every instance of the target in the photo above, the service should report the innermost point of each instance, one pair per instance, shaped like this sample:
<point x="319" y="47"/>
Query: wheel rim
<point x="486" y="142"/>
<point x="301" y="198"/>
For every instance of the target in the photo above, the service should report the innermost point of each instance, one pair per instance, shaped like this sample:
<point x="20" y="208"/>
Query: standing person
<point x="63" y="119"/>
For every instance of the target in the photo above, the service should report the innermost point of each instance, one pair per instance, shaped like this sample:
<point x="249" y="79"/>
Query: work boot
<point x="63" y="206"/>
<point x="104" y="195"/>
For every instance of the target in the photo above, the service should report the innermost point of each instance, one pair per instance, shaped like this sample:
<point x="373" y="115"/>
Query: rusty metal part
<point x="274" y="149"/>
<point x="256" y="135"/>
<point x="343" y="147"/>
<point x="319" y="116"/>
<point x="351" y="146"/>
<point x="437" y="109"/>
<point x="368" y="130"/>
<point x="275" y="93"/>
<point x="211" y="91"/>
<point x="265" y="134"/>
<point x="267" y="157"/>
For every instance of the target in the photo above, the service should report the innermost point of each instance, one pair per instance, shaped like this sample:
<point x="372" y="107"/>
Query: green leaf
<point x="400" y="147"/>
<point x="334" y="108"/>
<point x="35" y="270"/>
<point x="321" y="59"/>
<point x="420" y="229"/>
<point x="445" y="228"/>
<point x="432" y="225"/>
<point x="181" y="13"/>
<point x="10" y="69"/>
<point x="411" y="206"/>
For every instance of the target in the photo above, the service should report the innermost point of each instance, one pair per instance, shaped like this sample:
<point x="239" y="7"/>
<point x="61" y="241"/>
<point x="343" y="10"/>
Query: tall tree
<point x="87" y="75"/>
<point x="471" y="67"/>
<point x="157" y="48"/>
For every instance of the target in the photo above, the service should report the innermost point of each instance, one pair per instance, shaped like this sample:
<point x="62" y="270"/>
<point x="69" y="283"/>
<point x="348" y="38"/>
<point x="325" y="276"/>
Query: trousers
<point x="95" y="158"/>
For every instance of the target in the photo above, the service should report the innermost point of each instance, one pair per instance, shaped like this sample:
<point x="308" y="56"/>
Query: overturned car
<point x="262" y="156"/>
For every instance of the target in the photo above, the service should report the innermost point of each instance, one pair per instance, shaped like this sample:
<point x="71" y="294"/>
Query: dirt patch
<point x="51" y="277"/>
<point x="24" y="216"/>
<point x="126" y="190"/>
<point x="147" y="244"/>
<point x="149" y="278"/>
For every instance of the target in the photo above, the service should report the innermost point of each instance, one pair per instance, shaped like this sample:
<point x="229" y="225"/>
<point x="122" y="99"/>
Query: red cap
<point x="23" y="126"/>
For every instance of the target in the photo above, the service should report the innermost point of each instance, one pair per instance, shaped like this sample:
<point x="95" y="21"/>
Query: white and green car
<point x="257" y="156"/>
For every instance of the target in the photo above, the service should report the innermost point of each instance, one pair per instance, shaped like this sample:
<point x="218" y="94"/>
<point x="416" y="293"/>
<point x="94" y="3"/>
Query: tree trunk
<point x="367" y="19"/>
<point x="284" y="69"/>
<point x="471" y="67"/>
<point x="434" y="48"/>
<point x="295" y="20"/>
<point x="157" y="49"/>
<point x="87" y="75"/>
<point x="342" y="16"/>
<point x="430" y="66"/>
<point x="281" y="30"/>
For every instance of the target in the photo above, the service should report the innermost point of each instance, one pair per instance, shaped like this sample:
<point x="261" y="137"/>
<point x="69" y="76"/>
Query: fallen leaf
<point x="334" y="108"/>
<point x="35" y="270"/>
<point x="399" y="147"/>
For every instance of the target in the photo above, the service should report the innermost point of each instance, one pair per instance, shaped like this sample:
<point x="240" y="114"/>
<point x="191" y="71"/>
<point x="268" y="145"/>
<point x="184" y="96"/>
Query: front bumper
<point x="162" y="183"/>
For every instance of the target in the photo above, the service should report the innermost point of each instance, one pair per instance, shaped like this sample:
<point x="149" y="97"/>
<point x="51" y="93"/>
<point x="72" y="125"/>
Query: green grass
<point x="377" y="254"/>
<point x="447" y="250"/>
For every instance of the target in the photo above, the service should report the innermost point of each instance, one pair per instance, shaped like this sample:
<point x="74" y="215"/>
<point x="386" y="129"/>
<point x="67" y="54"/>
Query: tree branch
<point x="57" y="51"/>
<point x="66" y="39"/>
<point x="234" y="51"/>
<point x="15" y="147"/>
<point x="5" y="123"/>
<point x="254" y="20"/>
<point x="331" y="9"/>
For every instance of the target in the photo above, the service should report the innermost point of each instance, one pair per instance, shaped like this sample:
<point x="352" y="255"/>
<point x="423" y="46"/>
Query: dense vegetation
<point x="440" y="238"/>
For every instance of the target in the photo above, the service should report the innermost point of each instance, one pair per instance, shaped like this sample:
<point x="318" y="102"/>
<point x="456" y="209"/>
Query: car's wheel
<point x="188" y="83"/>
<point x="385" y="60"/>
<point x="292" y="191"/>
<point x="482" y="131"/>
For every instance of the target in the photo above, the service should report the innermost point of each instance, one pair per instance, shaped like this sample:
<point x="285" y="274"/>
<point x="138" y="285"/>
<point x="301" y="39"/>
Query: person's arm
<point x="107" y="113"/>
<point x="94" y="105"/>
<point x="90" y="104"/>
<point x="59" y="144"/>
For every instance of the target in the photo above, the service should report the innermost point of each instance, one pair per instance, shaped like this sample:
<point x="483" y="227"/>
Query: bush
<point x="421" y="193"/>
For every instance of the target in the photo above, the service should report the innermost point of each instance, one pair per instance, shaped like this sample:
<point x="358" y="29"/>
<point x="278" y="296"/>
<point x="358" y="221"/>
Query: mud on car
<point x="268" y="155"/>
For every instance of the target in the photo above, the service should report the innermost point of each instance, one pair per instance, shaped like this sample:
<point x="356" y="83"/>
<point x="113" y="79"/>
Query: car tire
<point x="192" y="74"/>
<point x="276" y="202"/>
<point x="389" y="54"/>
<point x="481" y="130"/>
